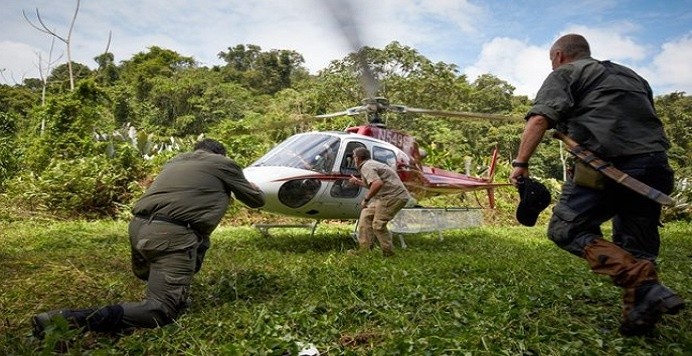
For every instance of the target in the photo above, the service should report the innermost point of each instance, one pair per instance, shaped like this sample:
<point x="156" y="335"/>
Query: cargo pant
<point x="167" y="256"/>
<point x="578" y="215"/>
<point x="629" y="260"/>
<point x="373" y="221"/>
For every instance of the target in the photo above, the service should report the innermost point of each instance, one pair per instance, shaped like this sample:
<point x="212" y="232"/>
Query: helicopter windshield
<point x="316" y="152"/>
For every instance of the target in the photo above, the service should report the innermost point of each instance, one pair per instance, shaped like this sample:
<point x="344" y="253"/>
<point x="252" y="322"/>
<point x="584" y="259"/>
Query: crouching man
<point x="169" y="236"/>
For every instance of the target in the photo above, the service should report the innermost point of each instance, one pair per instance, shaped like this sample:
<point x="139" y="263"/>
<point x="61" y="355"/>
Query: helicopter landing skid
<point x="418" y="219"/>
<point x="264" y="228"/>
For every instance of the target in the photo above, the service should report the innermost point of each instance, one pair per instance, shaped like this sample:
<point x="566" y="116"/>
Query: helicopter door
<point x="342" y="188"/>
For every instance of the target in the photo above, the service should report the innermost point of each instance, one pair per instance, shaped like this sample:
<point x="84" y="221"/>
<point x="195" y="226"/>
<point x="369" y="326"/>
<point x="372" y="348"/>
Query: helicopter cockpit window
<point x="315" y="152"/>
<point x="384" y="155"/>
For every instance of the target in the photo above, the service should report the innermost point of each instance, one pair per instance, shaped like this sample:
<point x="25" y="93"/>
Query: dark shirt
<point x="195" y="188"/>
<point x="604" y="106"/>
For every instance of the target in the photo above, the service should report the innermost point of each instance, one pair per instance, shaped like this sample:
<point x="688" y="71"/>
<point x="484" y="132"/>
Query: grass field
<point x="479" y="291"/>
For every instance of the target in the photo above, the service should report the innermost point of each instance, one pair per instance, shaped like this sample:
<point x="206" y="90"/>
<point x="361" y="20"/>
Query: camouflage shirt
<point x="604" y="106"/>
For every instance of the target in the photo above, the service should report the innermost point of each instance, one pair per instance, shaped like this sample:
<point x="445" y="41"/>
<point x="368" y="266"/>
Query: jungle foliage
<point x="89" y="152"/>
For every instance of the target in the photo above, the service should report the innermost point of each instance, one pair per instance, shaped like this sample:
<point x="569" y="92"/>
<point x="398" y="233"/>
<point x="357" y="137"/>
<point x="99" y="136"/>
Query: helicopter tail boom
<point x="440" y="181"/>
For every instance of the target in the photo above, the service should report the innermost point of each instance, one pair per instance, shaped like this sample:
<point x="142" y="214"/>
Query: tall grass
<point x="479" y="291"/>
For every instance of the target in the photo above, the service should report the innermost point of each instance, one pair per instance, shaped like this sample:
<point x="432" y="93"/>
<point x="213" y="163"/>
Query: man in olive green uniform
<point x="169" y="236"/>
<point x="385" y="197"/>
<point x="609" y="110"/>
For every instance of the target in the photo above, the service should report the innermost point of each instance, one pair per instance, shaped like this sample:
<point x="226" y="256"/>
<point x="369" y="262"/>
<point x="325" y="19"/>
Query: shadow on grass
<point x="342" y="240"/>
<point x="304" y="243"/>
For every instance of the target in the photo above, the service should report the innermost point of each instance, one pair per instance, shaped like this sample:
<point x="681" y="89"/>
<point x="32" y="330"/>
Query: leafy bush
<point x="88" y="187"/>
<point x="243" y="147"/>
<point x="9" y="152"/>
<point x="63" y="127"/>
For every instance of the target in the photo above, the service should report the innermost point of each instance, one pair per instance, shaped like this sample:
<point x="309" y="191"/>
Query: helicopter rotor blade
<point x="344" y="15"/>
<point x="461" y="114"/>
<point x="335" y="114"/>
<point x="348" y="112"/>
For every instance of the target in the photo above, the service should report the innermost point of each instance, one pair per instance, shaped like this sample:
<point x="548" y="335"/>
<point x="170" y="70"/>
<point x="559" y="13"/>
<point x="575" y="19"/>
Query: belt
<point x="164" y="218"/>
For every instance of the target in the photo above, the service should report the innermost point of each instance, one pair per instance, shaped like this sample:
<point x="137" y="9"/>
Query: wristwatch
<point x="518" y="164"/>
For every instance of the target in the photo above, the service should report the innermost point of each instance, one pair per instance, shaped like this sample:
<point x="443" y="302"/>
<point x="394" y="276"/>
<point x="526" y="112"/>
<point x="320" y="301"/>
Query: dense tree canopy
<point x="676" y="109"/>
<point x="263" y="72"/>
<point x="162" y="101"/>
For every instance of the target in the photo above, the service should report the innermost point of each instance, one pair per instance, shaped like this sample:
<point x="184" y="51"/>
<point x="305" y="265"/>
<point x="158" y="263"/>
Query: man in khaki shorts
<point x="385" y="197"/>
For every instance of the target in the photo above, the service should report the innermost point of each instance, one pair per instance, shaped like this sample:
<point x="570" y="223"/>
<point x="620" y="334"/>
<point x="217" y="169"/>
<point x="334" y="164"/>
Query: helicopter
<point x="307" y="175"/>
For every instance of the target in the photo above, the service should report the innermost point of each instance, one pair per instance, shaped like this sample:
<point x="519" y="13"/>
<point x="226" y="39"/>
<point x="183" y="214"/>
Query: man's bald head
<point x="573" y="46"/>
<point x="569" y="48"/>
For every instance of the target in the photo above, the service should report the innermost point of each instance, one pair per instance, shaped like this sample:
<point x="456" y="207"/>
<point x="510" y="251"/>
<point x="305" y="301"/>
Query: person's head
<point x="569" y="48"/>
<point x="361" y="154"/>
<point x="211" y="146"/>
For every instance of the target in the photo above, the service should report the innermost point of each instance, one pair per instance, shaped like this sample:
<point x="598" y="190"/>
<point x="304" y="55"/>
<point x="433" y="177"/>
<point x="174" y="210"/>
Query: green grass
<point x="480" y="291"/>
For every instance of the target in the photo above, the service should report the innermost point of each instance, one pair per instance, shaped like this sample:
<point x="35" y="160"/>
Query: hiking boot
<point x="105" y="319"/>
<point x="651" y="302"/>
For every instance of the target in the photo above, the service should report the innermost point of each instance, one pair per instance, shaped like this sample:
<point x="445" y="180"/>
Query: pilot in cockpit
<point x="324" y="161"/>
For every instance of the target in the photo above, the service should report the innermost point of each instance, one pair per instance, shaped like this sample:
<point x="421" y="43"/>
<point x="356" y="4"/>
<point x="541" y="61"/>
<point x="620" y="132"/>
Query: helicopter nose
<point x="261" y="177"/>
<point x="257" y="176"/>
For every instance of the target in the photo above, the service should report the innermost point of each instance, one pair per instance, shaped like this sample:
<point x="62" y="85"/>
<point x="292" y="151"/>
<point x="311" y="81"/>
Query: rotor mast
<point x="374" y="107"/>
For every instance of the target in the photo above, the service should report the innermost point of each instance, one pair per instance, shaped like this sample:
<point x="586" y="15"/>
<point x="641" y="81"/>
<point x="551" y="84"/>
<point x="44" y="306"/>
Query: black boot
<point x="645" y="299"/>
<point x="651" y="301"/>
<point x="106" y="319"/>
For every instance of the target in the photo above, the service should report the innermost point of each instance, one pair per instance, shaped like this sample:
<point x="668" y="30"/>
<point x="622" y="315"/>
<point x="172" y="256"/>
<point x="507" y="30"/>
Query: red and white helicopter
<point x="307" y="175"/>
